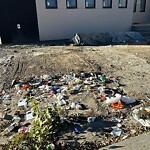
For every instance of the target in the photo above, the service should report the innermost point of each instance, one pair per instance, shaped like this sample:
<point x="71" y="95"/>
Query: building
<point x="33" y="20"/>
<point x="141" y="11"/>
<point x="18" y="21"/>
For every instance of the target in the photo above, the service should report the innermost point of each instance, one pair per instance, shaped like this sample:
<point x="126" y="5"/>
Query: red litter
<point x="26" y="86"/>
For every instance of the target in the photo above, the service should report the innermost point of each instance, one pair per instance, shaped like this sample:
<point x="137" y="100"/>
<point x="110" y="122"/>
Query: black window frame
<point x="135" y="6"/>
<point x="72" y="7"/>
<point x="123" y="6"/>
<point x="106" y="6"/>
<point x="90" y="7"/>
<point x="48" y="7"/>
<point x="143" y="10"/>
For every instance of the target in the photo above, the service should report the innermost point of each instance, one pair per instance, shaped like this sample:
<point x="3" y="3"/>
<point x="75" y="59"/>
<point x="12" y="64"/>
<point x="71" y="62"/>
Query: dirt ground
<point x="129" y="63"/>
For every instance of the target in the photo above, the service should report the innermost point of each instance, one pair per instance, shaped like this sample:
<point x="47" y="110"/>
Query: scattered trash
<point x="51" y="147"/>
<point x="119" y="125"/>
<point x="91" y="119"/>
<point x="9" y="129"/>
<point x="23" y="130"/>
<point x="116" y="120"/>
<point x="78" y="106"/>
<point x="29" y="115"/>
<point x="141" y="118"/>
<point x="16" y="119"/>
<point x="117" y="105"/>
<point x="73" y="105"/>
<point x="65" y="92"/>
<point x="67" y="108"/>
<point x="147" y="109"/>
<point x="145" y="123"/>
<point x="76" y="131"/>
<point x="82" y="75"/>
<point x="103" y="97"/>
<point x="17" y="86"/>
<point x="22" y="103"/>
<point x="35" y="81"/>
<point x="125" y="137"/>
<point x="103" y="78"/>
<point x="51" y="93"/>
<point x="19" y="92"/>
<point x="26" y="86"/>
<point x="116" y="131"/>
<point x="6" y="97"/>
<point x="61" y="102"/>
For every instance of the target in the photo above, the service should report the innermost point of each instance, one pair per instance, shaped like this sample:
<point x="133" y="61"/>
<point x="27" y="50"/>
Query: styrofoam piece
<point x="16" y="119"/>
<point x="145" y="123"/>
<point x="116" y="131"/>
<point x="59" y="96"/>
<point x="29" y="115"/>
<point x="116" y="120"/>
<point x="6" y="97"/>
<point x="61" y="102"/>
<point x="73" y="105"/>
<point x="22" y="102"/>
<point x="78" y="106"/>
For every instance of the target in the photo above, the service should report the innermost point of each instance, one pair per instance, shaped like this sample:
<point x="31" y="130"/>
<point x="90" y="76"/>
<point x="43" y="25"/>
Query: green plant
<point x="45" y="124"/>
<point x="42" y="131"/>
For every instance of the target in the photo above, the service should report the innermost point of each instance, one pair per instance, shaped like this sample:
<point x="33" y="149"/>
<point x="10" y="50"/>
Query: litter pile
<point x="88" y="100"/>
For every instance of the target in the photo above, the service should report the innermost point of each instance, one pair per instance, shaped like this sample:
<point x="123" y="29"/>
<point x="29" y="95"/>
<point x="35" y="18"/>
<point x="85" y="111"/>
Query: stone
<point x="2" y="115"/>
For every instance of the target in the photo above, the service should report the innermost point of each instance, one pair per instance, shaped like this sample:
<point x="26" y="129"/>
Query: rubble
<point x="108" y="38"/>
<point x="142" y="116"/>
<point x="2" y="115"/>
<point x="148" y="109"/>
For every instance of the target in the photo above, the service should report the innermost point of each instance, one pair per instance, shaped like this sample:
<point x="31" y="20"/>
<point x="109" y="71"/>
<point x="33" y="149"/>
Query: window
<point x="135" y="4"/>
<point x="123" y="3"/>
<point x="51" y="3"/>
<point x="107" y="3"/>
<point x="142" y="5"/>
<point x="71" y="3"/>
<point x="89" y="3"/>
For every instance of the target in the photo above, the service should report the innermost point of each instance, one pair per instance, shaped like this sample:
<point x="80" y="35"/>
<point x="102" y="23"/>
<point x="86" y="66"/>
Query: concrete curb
<point x="140" y="142"/>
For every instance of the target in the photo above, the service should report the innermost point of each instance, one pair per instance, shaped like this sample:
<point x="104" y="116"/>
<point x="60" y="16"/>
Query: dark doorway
<point x="18" y="21"/>
<point x="5" y="32"/>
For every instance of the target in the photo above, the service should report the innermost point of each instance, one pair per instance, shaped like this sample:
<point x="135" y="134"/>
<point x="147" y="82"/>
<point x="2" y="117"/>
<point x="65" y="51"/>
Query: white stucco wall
<point x="142" y="17"/>
<point x="63" y="23"/>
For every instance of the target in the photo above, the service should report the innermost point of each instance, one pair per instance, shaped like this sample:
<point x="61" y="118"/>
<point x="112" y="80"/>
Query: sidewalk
<point x="140" y="142"/>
